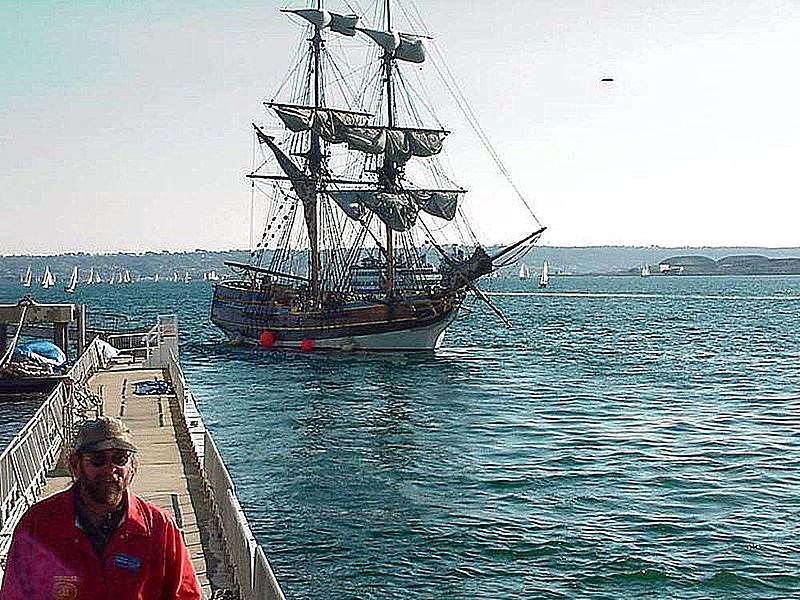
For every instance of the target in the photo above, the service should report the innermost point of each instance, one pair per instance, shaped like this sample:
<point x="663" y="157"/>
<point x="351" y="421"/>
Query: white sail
<point x="97" y="278"/>
<point x="48" y="279"/>
<point x="524" y="272"/>
<point x="90" y="277"/>
<point x="27" y="277"/>
<point x="186" y="277"/>
<point x="544" y="278"/>
<point x="645" y="270"/>
<point x="403" y="46"/>
<point x="126" y="276"/>
<point x="321" y="19"/>
<point x="73" y="281"/>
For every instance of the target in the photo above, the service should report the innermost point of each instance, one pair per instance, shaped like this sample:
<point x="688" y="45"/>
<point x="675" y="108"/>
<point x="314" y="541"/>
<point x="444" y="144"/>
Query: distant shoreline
<point x="564" y="261"/>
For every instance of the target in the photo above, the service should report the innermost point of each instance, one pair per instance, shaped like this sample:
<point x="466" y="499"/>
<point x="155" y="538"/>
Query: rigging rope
<point x="451" y="83"/>
<point x="25" y="303"/>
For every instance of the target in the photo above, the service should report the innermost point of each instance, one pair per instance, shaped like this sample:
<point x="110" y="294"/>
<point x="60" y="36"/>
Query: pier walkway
<point x="180" y="468"/>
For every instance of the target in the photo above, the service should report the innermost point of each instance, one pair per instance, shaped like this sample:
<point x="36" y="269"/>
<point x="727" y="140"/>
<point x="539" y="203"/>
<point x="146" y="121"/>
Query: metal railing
<point x="252" y="571"/>
<point x="141" y="343"/>
<point x="36" y="448"/>
<point x="26" y="461"/>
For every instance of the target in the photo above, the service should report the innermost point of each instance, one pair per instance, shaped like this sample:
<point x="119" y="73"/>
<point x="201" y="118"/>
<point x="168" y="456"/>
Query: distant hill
<point x="737" y="264"/>
<point x="628" y="260"/>
<point x="606" y="260"/>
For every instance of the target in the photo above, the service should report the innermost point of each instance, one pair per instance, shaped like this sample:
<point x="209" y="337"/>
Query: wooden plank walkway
<point x="162" y="478"/>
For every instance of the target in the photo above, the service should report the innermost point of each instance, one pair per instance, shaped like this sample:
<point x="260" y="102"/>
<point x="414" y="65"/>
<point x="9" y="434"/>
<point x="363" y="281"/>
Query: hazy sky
<point x="126" y="125"/>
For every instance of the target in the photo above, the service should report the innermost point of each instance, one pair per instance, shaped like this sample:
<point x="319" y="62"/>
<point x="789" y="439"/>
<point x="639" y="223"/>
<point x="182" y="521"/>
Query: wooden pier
<point x="180" y="468"/>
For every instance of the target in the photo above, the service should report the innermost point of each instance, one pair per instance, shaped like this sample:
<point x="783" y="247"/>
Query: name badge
<point x="126" y="561"/>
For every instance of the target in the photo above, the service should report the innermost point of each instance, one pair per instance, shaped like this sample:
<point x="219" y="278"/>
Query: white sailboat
<point x="187" y="278"/>
<point x="645" y="270"/>
<point x="97" y="278"/>
<point x="126" y="276"/>
<point x="26" y="278"/>
<point x="544" y="278"/>
<point x="73" y="281"/>
<point x="524" y="272"/>
<point x="48" y="279"/>
<point x="90" y="277"/>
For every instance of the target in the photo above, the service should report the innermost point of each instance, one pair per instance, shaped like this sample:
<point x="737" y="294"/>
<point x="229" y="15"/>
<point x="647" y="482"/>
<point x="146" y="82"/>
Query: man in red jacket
<point x="97" y="540"/>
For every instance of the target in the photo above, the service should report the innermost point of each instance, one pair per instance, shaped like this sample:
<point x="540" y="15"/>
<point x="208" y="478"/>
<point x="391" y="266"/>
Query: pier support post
<point x="61" y="336"/>
<point x="80" y="323"/>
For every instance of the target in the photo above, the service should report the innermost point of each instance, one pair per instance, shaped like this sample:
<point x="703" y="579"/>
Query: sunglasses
<point x="118" y="458"/>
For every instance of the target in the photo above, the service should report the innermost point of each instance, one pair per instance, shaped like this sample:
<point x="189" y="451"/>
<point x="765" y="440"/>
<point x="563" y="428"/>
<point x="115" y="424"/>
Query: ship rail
<point x="251" y="569"/>
<point x="35" y="450"/>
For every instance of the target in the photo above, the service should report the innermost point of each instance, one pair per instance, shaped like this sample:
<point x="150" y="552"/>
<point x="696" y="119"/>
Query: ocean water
<point x="627" y="438"/>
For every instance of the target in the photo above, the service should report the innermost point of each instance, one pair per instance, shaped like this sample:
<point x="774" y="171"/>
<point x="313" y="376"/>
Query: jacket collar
<point x="134" y="517"/>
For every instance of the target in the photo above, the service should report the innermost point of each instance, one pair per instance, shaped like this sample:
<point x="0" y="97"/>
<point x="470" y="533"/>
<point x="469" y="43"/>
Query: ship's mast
<point x="315" y="167"/>
<point x="389" y="171"/>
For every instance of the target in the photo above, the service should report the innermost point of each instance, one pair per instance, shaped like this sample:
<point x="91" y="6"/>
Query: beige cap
<point x="104" y="433"/>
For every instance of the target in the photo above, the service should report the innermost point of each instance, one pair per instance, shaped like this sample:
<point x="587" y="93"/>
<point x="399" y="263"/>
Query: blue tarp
<point x="40" y="351"/>
<point x="153" y="388"/>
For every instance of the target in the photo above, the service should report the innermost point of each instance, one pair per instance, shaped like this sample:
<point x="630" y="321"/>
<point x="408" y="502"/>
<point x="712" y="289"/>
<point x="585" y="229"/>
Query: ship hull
<point x="250" y="317"/>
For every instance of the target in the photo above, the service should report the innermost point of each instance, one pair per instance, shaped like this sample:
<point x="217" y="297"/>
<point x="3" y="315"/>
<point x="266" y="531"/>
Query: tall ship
<point x="366" y="243"/>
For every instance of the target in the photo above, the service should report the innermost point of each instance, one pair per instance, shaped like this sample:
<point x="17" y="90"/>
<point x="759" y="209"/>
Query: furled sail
<point x="350" y="203"/>
<point x="399" y="211"/>
<point x="330" y="124"/>
<point x="302" y="187"/>
<point x="342" y="126"/>
<point x="411" y="48"/>
<point x="344" y="24"/>
<point x="398" y="143"/>
<point x="442" y="204"/>
<point x="404" y="46"/>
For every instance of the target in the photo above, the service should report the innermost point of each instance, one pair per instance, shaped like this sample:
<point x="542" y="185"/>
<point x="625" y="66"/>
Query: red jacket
<point x="51" y="558"/>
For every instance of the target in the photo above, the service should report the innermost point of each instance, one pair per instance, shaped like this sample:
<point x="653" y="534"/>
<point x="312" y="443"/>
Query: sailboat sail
<point x="27" y="278"/>
<point x="48" y="279"/>
<point x="544" y="278"/>
<point x="366" y="242"/>
<point x="73" y="281"/>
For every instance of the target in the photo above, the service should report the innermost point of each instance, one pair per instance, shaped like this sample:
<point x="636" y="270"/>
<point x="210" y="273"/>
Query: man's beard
<point x="104" y="491"/>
